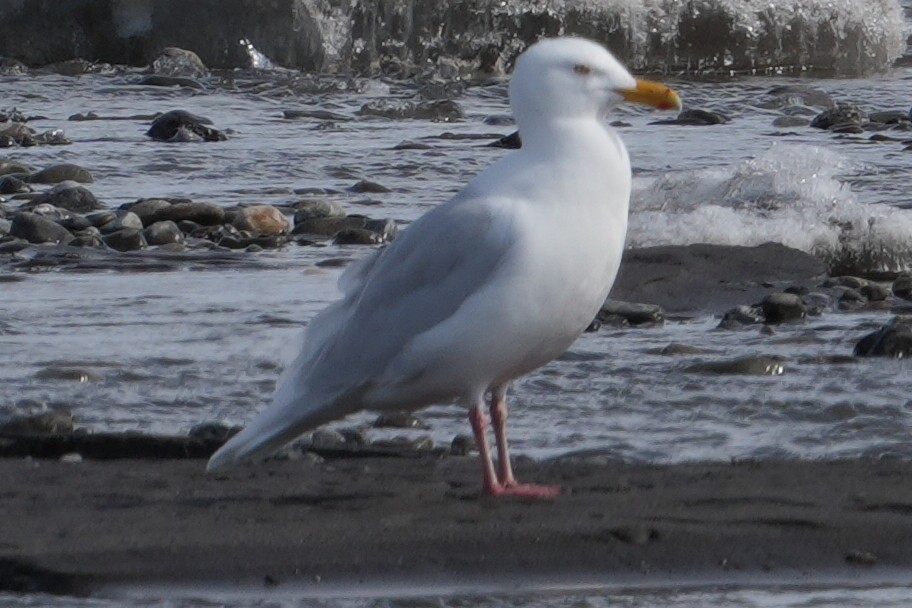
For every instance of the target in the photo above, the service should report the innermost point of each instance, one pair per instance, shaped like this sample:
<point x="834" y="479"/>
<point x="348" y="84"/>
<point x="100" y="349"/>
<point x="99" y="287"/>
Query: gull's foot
<point x="527" y="490"/>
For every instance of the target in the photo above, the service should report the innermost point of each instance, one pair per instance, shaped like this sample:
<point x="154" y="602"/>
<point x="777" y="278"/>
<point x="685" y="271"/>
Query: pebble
<point x="317" y="114"/>
<point x="205" y="214"/>
<point x="69" y="374"/>
<point x="902" y="287"/>
<point x="58" y="421"/>
<point x="357" y="236"/>
<point x="8" y="167"/>
<point x="368" y="187"/>
<point x="174" y="61"/>
<point x="10" y="184"/>
<point x="122" y="219"/>
<point x="62" y="172"/>
<point x="630" y="313"/>
<point x="509" y="142"/>
<point x="146" y="208"/>
<point x="695" y="117"/>
<point x="36" y="229"/>
<point x="442" y="110"/>
<point x="329" y="226"/>
<point x="100" y="218"/>
<point x="213" y="431"/>
<point x="463" y="445"/>
<point x="261" y="219"/>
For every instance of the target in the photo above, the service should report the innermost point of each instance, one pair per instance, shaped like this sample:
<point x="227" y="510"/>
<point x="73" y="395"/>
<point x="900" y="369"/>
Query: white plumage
<point x="486" y="287"/>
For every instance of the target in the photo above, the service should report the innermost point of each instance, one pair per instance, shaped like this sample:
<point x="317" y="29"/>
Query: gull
<point x="486" y="287"/>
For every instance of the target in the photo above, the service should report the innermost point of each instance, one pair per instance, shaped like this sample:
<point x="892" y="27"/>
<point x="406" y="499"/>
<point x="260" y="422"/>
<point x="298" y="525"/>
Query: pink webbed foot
<point x="524" y="490"/>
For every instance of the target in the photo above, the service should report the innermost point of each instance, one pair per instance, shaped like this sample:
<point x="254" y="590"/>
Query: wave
<point x="792" y="194"/>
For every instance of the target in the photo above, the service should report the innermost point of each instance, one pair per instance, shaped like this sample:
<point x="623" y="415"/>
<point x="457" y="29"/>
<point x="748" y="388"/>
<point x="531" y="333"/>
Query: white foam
<point x="791" y="194"/>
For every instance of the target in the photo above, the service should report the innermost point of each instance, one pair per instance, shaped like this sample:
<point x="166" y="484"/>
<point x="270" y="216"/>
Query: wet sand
<point x="76" y="527"/>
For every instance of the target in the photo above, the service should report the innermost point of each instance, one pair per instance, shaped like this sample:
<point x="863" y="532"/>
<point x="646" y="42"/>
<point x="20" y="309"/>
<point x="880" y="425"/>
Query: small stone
<point x="62" y="172"/>
<point x="71" y="457"/>
<point x="509" y="142"/>
<point x="69" y="374"/>
<point x="782" y="307"/>
<point x="261" y="219"/>
<point x="213" y="431"/>
<point x="162" y="233"/>
<point x="861" y="558"/>
<point x="739" y="316"/>
<point x="146" y="209"/>
<point x="100" y="218"/>
<point x="122" y="219"/>
<point x="327" y="438"/>
<point x="874" y="292"/>
<point x="695" y="117"/>
<point x="174" y="61"/>
<point x="181" y="126"/>
<point x="462" y="445"/>
<point x="850" y="299"/>
<point x="843" y="114"/>
<point x="36" y="229"/>
<point x="128" y="239"/>
<point x="10" y="184"/>
<point x="206" y="214"/>
<point x="329" y="226"/>
<point x="846" y="281"/>
<point x="58" y="421"/>
<point x="75" y="223"/>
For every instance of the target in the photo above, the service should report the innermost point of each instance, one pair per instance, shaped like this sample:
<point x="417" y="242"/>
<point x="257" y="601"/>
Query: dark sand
<point x="372" y="520"/>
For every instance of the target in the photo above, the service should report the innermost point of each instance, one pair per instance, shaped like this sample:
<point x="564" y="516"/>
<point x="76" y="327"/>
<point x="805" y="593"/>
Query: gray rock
<point x="438" y="110"/>
<point x="329" y="226"/>
<point x="816" y="303"/>
<point x="10" y="184"/>
<point x="77" y="199"/>
<point x="844" y="114"/>
<point x="368" y="187"/>
<point x="782" y="307"/>
<point x="47" y="211"/>
<point x="508" y="142"/>
<point x="62" y="172"/>
<point x="357" y="236"/>
<point x="462" y="445"/>
<point x="162" y="233"/>
<point x="75" y="223"/>
<point x="37" y="229"/>
<point x="630" y="313"/>
<point x="205" y="214"/>
<point x="759" y="365"/>
<point x="146" y="209"/>
<point x="12" y="167"/>
<point x="176" y="125"/>
<point x="100" y="218"/>
<point x="890" y="117"/>
<point x="127" y="239"/>
<point x="850" y="299"/>
<point x="902" y="287"/>
<point x="399" y="420"/>
<point x="894" y="340"/>
<point x="213" y="431"/>
<point x="740" y="316"/>
<point x="846" y="281"/>
<point x="796" y="94"/>
<point x="791" y="121"/>
<point x="316" y="208"/>
<point x="695" y="117"/>
<point x="173" y="61"/>
<point x="54" y="422"/>
<point x="874" y="292"/>
<point x="327" y="438"/>
<point x="16" y="134"/>
<point x="123" y="219"/>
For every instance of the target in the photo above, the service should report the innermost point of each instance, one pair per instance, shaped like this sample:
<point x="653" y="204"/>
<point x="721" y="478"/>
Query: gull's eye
<point x="582" y="69"/>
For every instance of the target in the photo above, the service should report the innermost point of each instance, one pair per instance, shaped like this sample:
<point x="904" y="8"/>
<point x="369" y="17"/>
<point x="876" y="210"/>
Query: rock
<point x="329" y="226"/>
<point x="77" y="199"/>
<point x="16" y="134"/>
<point x="36" y="229"/>
<point x="128" y="239"/>
<point x="205" y="214"/>
<point x="438" y="110"/>
<point x="357" y="236"/>
<point x="162" y="233"/>
<point x="846" y="281"/>
<point x="68" y="374"/>
<point x="52" y="137"/>
<point x="842" y="114"/>
<point x="317" y="114"/>
<point x="630" y="313"/>
<point x="408" y="144"/>
<point x="10" y="184"/>
<point x="261" y="219"/>
<point x="146" y="208"/>
<point x="399" y="420"/>
<point x="157" y="80"/>
<point x="760" y="365"/>
<point x="178" y="125"/>
<point x="894" y="340"/>
<point x="327" y="438"/>
<point x="816" y="303"/>
<point x="739" y="316"/>
<point x="695" y="117"/>
<point x="796" y="94"/>
<point x="791" y="121"/>
<point x="678" y="349"/>
<point x="213" y="431"/>
<point x="90" y="237"/>
<point x="386" y="229"/>
<point x="173" y="61"/>
<point x="782" y="307"/>
<point x="100" y="218"/>
<point x="62" y="172"/>
<point x="122" y="219"/>
<point x="367" y="187"/>
<point x="462" y="445"/>
<point x="54" y="422"/>
<point x="75" y="223"/>
<point x="850" y="299"/>
<point x="314" y="208"/>
<point x="11" y="167"/>
<point x="508" y="142"/>
<point x="48" y="211"/>
<point x="407" y="444"/>
<point x="890" y="117"/>
<point x="874" y="292"/>
<point x="902" y="287"/>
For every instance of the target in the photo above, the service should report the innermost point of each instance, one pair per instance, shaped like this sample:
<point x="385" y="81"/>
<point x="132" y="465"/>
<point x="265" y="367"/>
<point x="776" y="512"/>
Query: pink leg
<point x="479" y="427"/>
<point x="508" y="484"/>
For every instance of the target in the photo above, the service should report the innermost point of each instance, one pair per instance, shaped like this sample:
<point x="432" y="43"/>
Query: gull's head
<point x="560" y="78"/>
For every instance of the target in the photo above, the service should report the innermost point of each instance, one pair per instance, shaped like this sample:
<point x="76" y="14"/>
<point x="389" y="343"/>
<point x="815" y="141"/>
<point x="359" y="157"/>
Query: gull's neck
<point x="578" y="136"/>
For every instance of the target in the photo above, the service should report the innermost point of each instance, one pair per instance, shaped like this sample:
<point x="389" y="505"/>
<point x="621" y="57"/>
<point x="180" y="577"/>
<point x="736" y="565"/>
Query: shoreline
<point x="90" y="526"/>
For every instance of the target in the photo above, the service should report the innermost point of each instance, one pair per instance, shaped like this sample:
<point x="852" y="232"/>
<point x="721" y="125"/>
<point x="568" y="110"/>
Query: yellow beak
<point x="653" y="94"/>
